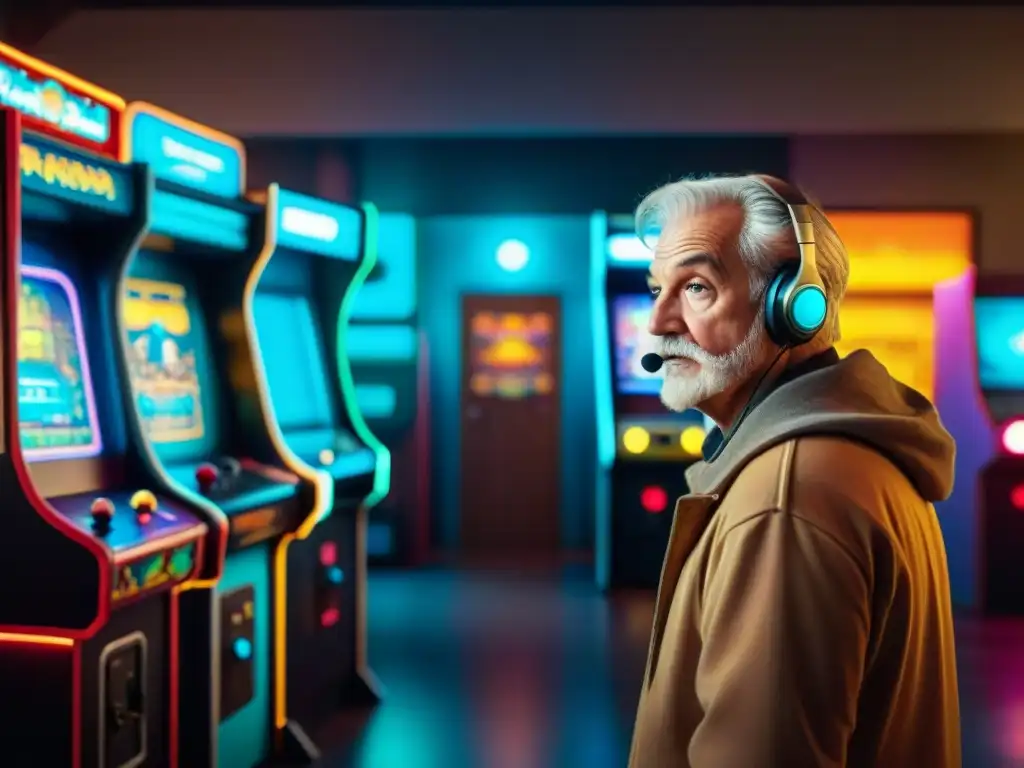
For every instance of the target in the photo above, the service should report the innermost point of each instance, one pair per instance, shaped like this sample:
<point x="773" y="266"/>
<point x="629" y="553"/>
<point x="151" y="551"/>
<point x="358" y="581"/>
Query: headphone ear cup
<point x="775" y="318"/>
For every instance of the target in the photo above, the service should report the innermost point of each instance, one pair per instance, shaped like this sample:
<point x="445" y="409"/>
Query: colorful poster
<point x="510" y="354"/>
<point x="162" y="361"/>
<point x="56" y="409"/>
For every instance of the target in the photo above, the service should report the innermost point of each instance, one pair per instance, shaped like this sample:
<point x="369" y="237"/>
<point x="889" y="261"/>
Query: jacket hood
<point x="854" y="398"/>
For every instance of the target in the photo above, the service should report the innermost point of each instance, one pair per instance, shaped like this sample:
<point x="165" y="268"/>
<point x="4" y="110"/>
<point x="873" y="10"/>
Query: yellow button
<point x="692" y="440"/>
<point x="636" y="439"/>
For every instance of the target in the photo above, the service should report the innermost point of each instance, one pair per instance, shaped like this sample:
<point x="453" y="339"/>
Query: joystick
<point x="144" y="504"/>
<point x="207" y="476"/>
<point x="102" y="511"/>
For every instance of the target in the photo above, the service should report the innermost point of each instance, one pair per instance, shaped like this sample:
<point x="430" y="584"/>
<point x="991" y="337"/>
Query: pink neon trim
<point x="96" y="446"/>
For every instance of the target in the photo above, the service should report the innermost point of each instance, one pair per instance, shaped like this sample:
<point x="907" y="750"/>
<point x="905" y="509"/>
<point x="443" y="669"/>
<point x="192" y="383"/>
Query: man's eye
<point x="696" y="288"/>
<point x="655" y="290"/>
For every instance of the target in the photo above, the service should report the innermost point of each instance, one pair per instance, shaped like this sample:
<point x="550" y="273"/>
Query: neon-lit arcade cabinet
<point x="643" y="449"/>
<point x="97" y="549"/>
<point x="999" y="335"/>
<point x="388" y="355"/>
<point x="302" y="298"/>
<point x="201" y="397"/>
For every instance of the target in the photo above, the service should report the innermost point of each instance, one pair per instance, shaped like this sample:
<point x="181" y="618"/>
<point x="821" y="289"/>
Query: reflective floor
<point x="535" y="669"/>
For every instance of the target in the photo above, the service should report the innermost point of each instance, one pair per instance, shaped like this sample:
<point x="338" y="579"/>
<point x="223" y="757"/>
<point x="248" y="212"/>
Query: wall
<point x="457" y="257"/>
<point x="981" y="173"/>
<point x="359" y="72"/>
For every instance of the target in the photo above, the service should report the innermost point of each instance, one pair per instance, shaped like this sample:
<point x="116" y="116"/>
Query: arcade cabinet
<point x="388" y="355"/>
<point x="96" y="549"/>
<point x="643" y="449"/>
<point x="999" y="334"/>
<point x="195" y="373"/>
<point x="301" y="296"/>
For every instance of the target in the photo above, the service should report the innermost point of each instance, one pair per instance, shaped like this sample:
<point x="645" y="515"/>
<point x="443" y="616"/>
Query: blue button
<point x="808" y="308"/>
<point x="242" y="648"/>
<point x="335" y="575"/>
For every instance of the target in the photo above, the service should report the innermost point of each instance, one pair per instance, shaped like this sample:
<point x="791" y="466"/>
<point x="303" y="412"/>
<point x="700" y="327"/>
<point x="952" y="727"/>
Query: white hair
<point x="766" y="239"/>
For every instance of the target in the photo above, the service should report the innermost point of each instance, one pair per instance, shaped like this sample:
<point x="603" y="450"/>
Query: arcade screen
<point x="899" y="332"/>
<point x="293" y="360"/>
<point x="999" y="325"/>
<point x="56" y="408"/>
<point x="162" y="360"/>
<point x="630" y="315"/>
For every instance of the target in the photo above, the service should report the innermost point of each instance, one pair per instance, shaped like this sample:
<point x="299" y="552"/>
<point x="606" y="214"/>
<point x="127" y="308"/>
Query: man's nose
<point x="665" y="320"/>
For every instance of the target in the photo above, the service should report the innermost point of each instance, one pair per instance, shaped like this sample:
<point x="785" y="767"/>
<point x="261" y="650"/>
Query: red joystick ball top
<point x="102" y="510"/>
<point x="144" y="504"/>
<point x="206" y="476"/>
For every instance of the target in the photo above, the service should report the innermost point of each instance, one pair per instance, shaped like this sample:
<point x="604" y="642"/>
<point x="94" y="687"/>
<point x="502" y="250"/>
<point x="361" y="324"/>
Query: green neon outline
<point x="382" y="475"/>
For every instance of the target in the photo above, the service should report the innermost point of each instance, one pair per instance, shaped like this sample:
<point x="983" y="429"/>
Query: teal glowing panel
<point x="293" y="360"/>
<point x="389" y="294"/>
<point x="52" y="169"/>
<point x="628" y="251"/>
<point x="199" y="222"/>
<point x="381" y="343"/>
<point x="376" y="401"/>
<point x="244" y="738"/>
<point x="999" y="324"/>
<point x="312" y="225"/>
<point x="186" y="157"/>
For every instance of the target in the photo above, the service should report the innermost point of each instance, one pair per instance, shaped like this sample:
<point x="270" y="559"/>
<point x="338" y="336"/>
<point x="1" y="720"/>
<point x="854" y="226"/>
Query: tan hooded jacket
<point x="803" y="618"/>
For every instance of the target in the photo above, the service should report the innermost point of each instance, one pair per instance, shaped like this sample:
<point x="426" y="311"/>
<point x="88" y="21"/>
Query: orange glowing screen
<point x="896" y="259"/>
<point x="897" y="252"/>
<point x="510" y="354"/>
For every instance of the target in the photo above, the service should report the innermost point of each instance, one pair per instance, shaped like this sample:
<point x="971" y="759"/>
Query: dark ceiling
<point x="24" y="22"/>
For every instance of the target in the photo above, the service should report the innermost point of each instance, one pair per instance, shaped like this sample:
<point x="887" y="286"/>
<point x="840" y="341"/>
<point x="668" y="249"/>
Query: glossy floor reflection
<point x="488" y="669"/>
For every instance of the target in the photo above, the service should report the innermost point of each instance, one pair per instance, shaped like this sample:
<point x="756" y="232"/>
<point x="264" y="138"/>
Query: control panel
<point x="659" y="439"/>
<point x="329" y="584"/>
<point x="123" y="710"/>
<point x="237" y="622"/>
<point x="260" y="501"/>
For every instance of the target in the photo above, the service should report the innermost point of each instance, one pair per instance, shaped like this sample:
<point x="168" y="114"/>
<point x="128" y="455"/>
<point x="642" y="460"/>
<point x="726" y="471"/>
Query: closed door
<point x="511" y="424"/>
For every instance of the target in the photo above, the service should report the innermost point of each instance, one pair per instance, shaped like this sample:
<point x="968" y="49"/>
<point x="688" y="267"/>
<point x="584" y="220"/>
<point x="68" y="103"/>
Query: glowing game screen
<point x="162" y="361"/>
<point x="999" y="326"/>
<point x="293" y="361"/>
<point x="510" y="354"/>
<point x="56" y="408"/>
<point x="632" y="341"/>
<point x="899" y="332"/>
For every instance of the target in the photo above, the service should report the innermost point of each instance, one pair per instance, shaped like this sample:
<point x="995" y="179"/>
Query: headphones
<point x="795" y="303"/>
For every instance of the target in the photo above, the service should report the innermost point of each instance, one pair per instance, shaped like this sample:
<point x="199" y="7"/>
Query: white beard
<point x="683" y="389"/>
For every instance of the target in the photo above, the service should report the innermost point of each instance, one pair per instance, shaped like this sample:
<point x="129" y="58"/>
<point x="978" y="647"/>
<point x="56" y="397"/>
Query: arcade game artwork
<point x="57" y="411"/>
<point x="510" y="355"/>
<point x="162" y="360"/>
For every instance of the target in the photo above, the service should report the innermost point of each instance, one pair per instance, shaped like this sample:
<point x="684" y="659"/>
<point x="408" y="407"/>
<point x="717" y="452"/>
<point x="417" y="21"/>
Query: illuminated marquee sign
<point x="59" y="104"/>
<point x="50" y="169"/>
<point x="184" y="152"/>
<point x="318" y="226"/>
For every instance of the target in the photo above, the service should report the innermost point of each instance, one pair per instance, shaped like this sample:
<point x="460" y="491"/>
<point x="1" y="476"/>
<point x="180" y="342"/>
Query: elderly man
<point x="803" y="618"/>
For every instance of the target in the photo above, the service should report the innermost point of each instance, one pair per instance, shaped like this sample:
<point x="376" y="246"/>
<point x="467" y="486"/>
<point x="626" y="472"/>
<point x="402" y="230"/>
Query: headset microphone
<point x="652" y="362"/>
